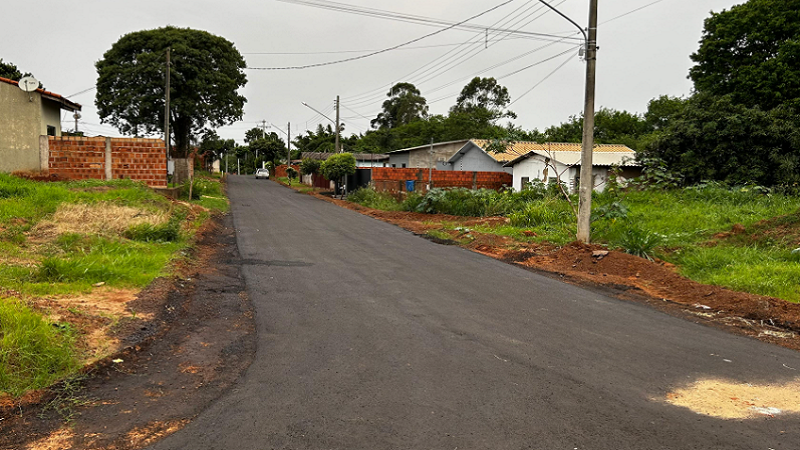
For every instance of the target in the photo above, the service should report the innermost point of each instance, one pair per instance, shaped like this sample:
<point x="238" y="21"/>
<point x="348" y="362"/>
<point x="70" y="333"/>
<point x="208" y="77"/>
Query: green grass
<point x="675" y="225"/>
<point x="33" y="352"/>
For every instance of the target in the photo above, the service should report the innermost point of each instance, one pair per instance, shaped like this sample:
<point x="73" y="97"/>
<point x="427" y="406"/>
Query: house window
<point x="404" y="165"/>
<point x="394" y="165"/>
<point x="552" y="180"/>
<point x="526" y="183"/>
<point x="51" y="130"/>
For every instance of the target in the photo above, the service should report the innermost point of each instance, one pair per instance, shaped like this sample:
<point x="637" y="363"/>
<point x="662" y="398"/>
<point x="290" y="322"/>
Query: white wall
<point x="534" y="168"/>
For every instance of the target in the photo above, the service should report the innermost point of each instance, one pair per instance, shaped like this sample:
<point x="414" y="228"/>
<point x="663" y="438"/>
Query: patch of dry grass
<point x="102" y="219"/>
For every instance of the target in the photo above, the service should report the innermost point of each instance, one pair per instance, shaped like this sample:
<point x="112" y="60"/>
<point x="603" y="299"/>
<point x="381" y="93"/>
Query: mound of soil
<point x="625" y="276"/>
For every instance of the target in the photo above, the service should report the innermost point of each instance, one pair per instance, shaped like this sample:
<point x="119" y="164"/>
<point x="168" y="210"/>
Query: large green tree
<point x="716" y="138"/>
<point x="405" y="105"/>
<point x="206" y="73"/>
<point x="484" y="98"/>
<point x="751" y="52"/>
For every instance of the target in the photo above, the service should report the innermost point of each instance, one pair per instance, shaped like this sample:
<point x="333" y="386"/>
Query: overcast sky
<point x="642" y="55"/>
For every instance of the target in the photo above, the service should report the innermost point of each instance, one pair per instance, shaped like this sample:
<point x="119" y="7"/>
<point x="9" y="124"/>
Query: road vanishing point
<point x="372" y="338"/>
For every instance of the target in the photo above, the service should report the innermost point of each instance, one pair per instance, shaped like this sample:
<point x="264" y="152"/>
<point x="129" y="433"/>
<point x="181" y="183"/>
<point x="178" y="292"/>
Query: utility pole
<point x="337" y="146"/>
<point x="166" y="106"/>
<point x="586" y="181"/>
<point x="289" y="146"/>
<point x="430" y="165"/>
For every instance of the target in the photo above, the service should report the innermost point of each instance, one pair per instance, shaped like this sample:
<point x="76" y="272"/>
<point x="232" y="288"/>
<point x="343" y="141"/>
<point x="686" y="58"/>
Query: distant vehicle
<point x="262" y="173"/>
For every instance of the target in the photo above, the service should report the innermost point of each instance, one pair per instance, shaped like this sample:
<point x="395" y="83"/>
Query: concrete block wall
<point x="101" y="158"/>
<point x="393" y="180"/>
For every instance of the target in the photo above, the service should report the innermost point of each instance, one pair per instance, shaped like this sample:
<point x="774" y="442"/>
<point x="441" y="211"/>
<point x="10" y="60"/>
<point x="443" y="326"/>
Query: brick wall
<point x="393" y="180"/>
<point x="78" y="158"/>
<point x="280" y="171"/>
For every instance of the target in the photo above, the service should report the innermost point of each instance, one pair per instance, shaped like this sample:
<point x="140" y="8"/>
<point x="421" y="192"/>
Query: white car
<point x="262" y="173"/>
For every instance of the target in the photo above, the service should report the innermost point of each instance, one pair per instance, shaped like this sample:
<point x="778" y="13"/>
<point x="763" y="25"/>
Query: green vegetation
<point x="33" y="352"/>
<point x="63" y="238"/>
<point x="676" y="225"/>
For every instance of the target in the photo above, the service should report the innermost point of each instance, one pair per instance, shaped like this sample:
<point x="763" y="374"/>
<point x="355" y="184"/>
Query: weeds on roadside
<point x="33" y="352"/>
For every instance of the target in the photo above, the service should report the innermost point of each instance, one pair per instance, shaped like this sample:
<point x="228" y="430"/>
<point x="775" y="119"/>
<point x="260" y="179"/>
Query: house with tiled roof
<point x="526" y="161"/>
<point x="549" y="162"/>
<point x="24" y="117"/>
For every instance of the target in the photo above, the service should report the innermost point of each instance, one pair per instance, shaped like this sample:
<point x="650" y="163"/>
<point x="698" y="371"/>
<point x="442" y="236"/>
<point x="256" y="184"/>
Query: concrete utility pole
<point x="587" y="184"/>
<point x="289" y="145"/>
<point x="337" y="146"/>
<point x="586" y="180"/>
<point x="166" y="105"/>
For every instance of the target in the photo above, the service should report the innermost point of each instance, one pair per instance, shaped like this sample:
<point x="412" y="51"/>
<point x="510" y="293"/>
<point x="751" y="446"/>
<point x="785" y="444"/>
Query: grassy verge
<point x="65" y="239"/>
<point x="691" y="227"/>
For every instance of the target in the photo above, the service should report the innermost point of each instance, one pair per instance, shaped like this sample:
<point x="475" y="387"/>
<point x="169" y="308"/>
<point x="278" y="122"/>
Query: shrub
<point x="637" y="241"/>
<point x="371" y="199"/>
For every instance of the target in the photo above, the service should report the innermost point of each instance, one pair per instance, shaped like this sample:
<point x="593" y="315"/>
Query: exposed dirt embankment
<point x="192" y="337"/>
<point x="625" y="276"/>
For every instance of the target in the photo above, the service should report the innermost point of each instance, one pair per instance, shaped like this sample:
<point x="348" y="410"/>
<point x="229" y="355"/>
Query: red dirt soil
<point x="622" y="275"/>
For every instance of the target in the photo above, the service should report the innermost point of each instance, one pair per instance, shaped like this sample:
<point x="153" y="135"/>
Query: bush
<point x="542" y="213"/>
<point x="33" y="352"/>
<point x="376" y="200"/>
<point x="637" y="241"/>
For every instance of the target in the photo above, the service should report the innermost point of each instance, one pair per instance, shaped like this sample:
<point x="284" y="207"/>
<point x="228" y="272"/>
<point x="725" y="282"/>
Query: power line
<point x="542" y="81"/>
<point x="335" y="52"/>
<point x="422" y="20"/>
<point x="307" y="66"/>
<point x="435" y="66"/>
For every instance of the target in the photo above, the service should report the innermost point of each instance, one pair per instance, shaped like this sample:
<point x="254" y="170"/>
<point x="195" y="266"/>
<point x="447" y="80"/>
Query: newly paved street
<point x="372" y="338"/>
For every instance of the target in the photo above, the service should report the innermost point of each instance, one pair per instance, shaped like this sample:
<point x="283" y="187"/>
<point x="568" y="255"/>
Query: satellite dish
<point x="28" y="84"/>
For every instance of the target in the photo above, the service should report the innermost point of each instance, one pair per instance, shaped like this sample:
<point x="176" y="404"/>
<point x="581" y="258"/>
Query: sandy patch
<point x="728" y="400"/>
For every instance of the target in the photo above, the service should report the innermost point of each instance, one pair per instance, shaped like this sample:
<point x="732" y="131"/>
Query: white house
<point x="549" y="162"/>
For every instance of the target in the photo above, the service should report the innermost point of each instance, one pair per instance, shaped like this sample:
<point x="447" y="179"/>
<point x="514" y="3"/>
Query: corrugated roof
<point x="564" y="152"/>
<point x="66" y="104"/>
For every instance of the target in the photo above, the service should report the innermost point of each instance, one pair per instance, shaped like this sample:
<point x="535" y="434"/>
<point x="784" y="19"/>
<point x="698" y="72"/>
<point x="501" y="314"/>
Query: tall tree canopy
<point x="751" y="52"/>
<point x="206" y="72"/>
<point x="405" y="105"/>
<point x="715" y="138"/>
<point x="484" y="97"/>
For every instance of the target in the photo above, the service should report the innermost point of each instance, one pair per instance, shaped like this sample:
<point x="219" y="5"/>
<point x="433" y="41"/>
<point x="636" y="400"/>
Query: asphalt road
<point x="372" y="338"/>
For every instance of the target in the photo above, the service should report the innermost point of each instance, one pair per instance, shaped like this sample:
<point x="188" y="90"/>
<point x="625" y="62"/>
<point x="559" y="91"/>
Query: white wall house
<point x="561" y="161"/>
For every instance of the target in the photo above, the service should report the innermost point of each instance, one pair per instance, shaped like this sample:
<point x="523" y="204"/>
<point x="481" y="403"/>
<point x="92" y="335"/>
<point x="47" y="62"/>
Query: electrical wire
<point x="436" y="67"/>
<point x="308" y="66"/>
<point x="542" y="81"/>
<point x="422" y="20"/>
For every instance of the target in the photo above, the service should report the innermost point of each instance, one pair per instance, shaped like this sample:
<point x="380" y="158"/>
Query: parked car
<point x="262" y="173"/>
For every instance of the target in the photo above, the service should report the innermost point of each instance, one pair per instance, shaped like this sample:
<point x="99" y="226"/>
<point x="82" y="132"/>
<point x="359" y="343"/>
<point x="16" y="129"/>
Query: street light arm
<point x="585" y="37"/>
<point x="315" y="110"/>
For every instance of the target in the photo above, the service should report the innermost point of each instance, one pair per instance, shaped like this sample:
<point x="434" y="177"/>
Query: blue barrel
<point x="410" y="186"/>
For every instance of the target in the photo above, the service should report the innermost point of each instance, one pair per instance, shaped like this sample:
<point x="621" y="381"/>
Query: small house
<point x="551" y="162"/>
<point x="24" y="117"/>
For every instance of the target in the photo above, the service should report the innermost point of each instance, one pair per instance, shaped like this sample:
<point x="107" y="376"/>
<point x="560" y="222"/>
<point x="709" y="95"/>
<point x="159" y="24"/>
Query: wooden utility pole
<point x="166" y="106"/>
<point x="586" y="179"/>
<point x="337" y="146"/>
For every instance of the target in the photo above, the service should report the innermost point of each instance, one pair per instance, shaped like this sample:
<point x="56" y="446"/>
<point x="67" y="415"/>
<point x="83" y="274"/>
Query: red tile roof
<point x="66" y="104"/>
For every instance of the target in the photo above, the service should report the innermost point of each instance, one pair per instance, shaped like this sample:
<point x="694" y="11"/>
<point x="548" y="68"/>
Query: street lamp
<point x="587" y="184"/>
<point x="288" y="142"/>
<point x="334" y="122"/>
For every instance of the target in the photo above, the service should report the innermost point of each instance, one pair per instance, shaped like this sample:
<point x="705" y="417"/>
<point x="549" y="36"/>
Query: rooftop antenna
<point x="29" y="84"/>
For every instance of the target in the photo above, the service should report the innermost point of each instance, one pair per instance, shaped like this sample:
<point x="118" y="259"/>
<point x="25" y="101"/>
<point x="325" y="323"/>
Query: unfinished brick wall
<point x="280" y="171"/>
<point x="387" y="179"/>
<point x="79" y="158"/>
